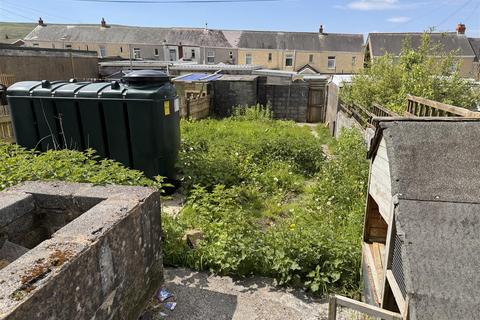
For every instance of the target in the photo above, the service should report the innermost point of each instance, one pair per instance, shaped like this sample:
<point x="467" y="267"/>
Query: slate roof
<point x="392" y="43"/>
<point x="308" y="41"/>
<point x="435" y="174"/>
<point x="129" y="35"/>
<point x="199" y="37"/>
<point x="475" y="43"/>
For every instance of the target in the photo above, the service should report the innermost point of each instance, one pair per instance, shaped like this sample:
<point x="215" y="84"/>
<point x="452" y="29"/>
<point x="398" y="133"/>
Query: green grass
<point x="14" y="31"/>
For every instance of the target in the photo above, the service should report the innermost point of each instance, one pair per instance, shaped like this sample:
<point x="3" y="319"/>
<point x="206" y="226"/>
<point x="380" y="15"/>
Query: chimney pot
<point x="40" y="22"/>
<point x="321" y="29"/>
<point x="461" y="28"/>
<point x="104" y="23"/>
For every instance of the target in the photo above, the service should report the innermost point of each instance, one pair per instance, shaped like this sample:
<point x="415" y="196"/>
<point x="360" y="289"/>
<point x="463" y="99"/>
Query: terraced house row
<point x="319" y="52"/>
<point x="305" y="52"/>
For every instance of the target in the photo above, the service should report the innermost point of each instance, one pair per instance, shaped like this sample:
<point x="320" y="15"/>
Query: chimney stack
<point x="461" y="28"/>
<point x="321" y="29"/>
<point x="104" y="23"/>
<point x="40" y="22"/>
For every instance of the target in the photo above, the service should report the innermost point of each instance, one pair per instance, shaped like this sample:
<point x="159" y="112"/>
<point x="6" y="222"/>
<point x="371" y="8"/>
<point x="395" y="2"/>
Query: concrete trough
<point x="78" y="251"/>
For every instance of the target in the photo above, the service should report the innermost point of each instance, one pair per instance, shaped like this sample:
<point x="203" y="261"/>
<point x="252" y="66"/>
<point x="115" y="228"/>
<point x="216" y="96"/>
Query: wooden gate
<point x="316" y="103"/>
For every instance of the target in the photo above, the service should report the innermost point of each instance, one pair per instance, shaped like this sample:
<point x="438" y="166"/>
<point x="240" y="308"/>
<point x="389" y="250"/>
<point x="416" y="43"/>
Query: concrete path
<point x="202" y="296"/>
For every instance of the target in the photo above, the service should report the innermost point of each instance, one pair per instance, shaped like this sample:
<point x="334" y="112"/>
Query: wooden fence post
<point x="332" y="308"/>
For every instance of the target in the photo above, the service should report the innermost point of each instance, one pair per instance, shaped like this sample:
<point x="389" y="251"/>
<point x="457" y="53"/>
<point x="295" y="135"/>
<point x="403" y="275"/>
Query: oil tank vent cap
<point x="45" y="84"/>
<point x="115" y="85"/>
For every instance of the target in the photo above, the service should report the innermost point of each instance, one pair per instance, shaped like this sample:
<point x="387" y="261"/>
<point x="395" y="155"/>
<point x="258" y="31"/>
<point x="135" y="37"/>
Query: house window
<point x="248" y="58"/>
<point x="331" y="63"/>
<point x="211" y="56"/>
<point x="87" y="47"/>
<point x="354" y="61"/>
<point x="231" y="55"/>
<point x="121" y="49"/>
<point x="35" y="44"/>
<point x="102" y="52"/>
<point x="155" y="52"/>
<point x="269" y="57"/>
<point x="193" y="53"/>
<point x="310" y="58"/>
<point x="68" y="46"/>
<point x="289" y="60"/>
<point x="172" y="54"/>
<point x="136" y="53"/>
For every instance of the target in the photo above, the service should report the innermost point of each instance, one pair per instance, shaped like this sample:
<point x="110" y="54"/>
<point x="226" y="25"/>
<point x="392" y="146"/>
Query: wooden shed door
<point x="316" y="104"/>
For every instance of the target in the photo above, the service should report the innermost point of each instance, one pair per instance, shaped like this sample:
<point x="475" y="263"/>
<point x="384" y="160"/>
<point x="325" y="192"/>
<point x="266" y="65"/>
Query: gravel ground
<point x="202" y="296"/>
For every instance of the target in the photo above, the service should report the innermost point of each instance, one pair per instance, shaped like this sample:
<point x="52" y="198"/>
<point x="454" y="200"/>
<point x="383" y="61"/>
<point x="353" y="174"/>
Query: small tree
<point x="427" y="71"/>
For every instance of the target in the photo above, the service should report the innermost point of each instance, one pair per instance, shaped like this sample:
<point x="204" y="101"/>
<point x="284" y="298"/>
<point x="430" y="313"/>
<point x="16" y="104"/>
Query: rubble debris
<point x="170" y="305"/>
<point x="192" y="237"/>
<point x="163" y="294"/>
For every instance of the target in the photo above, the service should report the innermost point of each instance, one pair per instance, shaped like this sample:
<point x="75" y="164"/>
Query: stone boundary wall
<point x="105" y="263"/>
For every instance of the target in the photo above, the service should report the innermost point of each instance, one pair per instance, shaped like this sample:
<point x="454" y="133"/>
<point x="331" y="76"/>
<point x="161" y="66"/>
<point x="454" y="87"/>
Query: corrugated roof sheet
<point x="204" y="77"/>
<point x="392" y="43"/>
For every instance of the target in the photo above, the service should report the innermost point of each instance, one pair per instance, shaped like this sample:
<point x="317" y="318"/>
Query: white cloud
<point x="368" y="5"/>
<point x="399" y="19"/>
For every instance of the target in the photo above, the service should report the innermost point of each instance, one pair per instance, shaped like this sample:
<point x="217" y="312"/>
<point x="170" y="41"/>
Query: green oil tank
<point x="135" y="121"/>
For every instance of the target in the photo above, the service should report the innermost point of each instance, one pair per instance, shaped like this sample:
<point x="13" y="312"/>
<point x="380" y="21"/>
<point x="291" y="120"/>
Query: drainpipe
<point x="130" y="56"/>
<point x="294" y="60"/>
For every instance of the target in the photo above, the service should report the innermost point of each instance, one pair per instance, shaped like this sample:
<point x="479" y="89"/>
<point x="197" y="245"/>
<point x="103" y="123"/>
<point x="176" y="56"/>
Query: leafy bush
<point x="427" y="72"/>
<point x="239" y="149"/>
<point x="19" y="164"/>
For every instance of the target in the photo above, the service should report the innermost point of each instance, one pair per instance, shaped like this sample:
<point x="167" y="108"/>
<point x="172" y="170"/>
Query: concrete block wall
<point x="230" y="94"/>
<point x="289" y="101"/>
<point x="104" y="264"/>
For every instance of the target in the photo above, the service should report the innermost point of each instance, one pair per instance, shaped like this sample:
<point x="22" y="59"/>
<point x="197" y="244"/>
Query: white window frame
<point x="248" y="58"/>
<point x="330" y="65"/>
<point x="137" y="53"/>
<point x="310" y="58"/>
<point x="194" y="54"/>
<point x="102" y="52"/>
<point x="210" y="56"/>
<point x="289" y="57"/>
<point x="174" y="52"/>
<point x="270" y="57"/>
<point x="156" y="52"/>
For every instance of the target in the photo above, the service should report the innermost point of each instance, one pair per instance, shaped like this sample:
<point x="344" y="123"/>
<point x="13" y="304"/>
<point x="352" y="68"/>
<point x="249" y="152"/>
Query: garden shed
<point x="195" y="91"/>
<point x="420" y="249"/>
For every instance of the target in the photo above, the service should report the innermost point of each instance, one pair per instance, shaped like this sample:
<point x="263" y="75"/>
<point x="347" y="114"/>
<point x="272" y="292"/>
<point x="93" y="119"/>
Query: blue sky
<point x="350" y="16"/>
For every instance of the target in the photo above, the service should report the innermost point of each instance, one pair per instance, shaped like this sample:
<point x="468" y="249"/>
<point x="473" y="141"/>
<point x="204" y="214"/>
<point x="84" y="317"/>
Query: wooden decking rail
<point x="336" y="300"/>
<point x="421" y="107"/>
<point x="365" y="116"/>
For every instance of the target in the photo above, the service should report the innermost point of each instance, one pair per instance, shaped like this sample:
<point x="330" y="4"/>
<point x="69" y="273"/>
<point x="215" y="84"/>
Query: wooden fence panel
<point x="6" y="129"/>
<point x="7" y="79"/>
